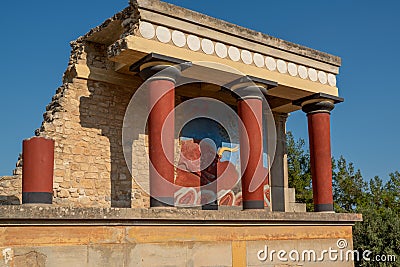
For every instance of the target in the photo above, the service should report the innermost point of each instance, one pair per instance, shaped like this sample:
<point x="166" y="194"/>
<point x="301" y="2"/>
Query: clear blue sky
<point x="35" y="49"/>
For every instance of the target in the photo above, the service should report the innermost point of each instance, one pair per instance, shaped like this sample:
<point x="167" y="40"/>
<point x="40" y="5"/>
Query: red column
<point x="161" y="130"/>
<point x="251" y="150"/>
<point x="161" y="141"/>
<point x="37" y="170"/>
<point x="318" y="115"/>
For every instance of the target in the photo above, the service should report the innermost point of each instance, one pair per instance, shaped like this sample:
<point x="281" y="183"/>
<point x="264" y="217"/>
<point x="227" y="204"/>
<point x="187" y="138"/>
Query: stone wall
<point x="44" y="235"/>
<point x="86" y="120"/>
<point x="187" y="246"/>
<point x="11" y="186"/>
<point x="10" y="190"/>
<point x="89" y="165"/>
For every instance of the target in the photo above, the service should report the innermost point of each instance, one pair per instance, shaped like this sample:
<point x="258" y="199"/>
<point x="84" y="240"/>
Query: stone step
<point x="297" y="207"/>
<point x="293" y="206"/>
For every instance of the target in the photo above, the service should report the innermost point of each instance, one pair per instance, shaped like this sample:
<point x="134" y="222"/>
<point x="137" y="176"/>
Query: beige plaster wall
<point x="184" y="245"/>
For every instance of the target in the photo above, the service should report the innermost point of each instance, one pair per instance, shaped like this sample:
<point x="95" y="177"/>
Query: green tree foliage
<point x="380" y="230"/>
<point x="348" y="186"/>
<point x="378" y="201"/>
<point x="393" y="189"/>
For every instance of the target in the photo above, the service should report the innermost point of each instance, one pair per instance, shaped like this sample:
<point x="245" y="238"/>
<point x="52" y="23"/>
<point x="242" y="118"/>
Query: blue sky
<point x="35" y="49"/>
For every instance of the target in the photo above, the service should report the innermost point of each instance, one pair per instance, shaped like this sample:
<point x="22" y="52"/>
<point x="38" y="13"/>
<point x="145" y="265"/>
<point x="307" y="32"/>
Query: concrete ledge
<point x="50" y="215"/>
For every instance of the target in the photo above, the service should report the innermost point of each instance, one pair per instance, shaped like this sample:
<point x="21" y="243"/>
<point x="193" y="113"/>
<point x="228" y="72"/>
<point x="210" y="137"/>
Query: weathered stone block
<point x="108" y="255"/>
<point x="210" y="254"/>
<point x="158" y="255"/>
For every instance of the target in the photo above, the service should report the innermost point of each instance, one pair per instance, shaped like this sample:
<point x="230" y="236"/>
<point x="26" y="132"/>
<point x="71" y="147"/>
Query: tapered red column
<point x="37" y="170"/>
<point x="251" y="147"/>
<point x="318" y="115"/>
<point x="161" y="89"/>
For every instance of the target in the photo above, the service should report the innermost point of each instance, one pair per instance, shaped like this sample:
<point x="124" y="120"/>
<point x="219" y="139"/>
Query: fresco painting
<point x="209" y="168"/>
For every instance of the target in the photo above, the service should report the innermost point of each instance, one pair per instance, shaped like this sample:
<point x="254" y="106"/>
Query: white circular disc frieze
<point x="221" y="50"/>
<point x="322" y="77"/>
<point x="331" y="79"/>
<point x="312" y="73"/>
<point x="270" y="63"/>
<point x="292" y="69"/>
<point x="147" y="30"/>
<point x="281" y="66"/>
<point x="163" y="34"/>
<point x="178" y="38"/>
<point x="193" y="42"/>
<point x="207" y="46"/>
<point x="234" y="53"/>
<point x="246" y="57"/>
<point x="303" y="72"/>
<point x="259" y="60"/>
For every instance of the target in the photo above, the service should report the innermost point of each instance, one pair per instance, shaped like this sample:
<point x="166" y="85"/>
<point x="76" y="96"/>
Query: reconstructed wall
<point x="146" y="245"/>
<point x="10" y="190"/>
<point x="59" y="236"/>
<point x="85" y="119"/>
<point x="11" y="186"/>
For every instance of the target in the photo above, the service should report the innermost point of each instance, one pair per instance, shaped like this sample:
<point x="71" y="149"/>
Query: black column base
<point x="253" y="204"/>
<point x="210" y="206"/>
<point x="161" y="202"/>
<point x="323" y="207"/>
<point x="37" y="198"/>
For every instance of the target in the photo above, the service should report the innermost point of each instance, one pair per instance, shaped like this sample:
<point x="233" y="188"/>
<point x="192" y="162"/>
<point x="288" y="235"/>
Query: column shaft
<point x="321" y="162"/>
<point x="37" y="170"/>
<point x="161" y="124"/>
<point x="318" y="107"/>
<point x="251" y="149"/>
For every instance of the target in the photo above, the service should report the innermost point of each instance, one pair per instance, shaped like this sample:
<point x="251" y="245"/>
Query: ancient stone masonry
<point x="130" y="19"/>
<point x="85" y="120"/>
<point x="11" y="186"/>
<point x="10" y="190"/>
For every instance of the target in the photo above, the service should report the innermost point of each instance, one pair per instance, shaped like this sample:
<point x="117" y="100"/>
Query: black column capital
<point x="159" y="67"/>
<point x="248" y="87"/>
<point x="249" y="92"/>
<point x="159" y="71"/>
<point x="323" y="106"/>
<point x="318" y="103"/>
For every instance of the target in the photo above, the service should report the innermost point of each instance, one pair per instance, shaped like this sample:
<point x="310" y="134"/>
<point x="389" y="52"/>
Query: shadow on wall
<point x="9" y="200"/>
<point x="104" y="109"/>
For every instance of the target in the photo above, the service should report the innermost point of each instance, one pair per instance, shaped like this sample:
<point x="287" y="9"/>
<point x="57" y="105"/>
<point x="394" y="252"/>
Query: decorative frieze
<point x="219" y="49"/>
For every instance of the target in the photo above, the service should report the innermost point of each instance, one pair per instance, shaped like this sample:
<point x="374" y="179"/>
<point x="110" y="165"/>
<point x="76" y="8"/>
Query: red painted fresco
<point x="238" y="199"/>
<point x="186" y="197"/>
<point x="227" y="175"/>
<point x="188" y="175"/>
<point x="228" y="198"/>
<point x="267" y="193"/>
